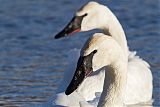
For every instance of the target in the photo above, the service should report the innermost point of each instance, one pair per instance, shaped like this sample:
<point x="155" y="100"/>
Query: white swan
<point x="110" y="57"/>
<point x="139" y="77"/>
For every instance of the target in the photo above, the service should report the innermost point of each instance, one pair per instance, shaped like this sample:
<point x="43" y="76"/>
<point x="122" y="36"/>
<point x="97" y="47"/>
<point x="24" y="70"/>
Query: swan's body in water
<point x="139" y="77"/>
<point x="103" y="52"/>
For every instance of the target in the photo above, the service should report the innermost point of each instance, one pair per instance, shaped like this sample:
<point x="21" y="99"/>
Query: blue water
<point x="32" y="62"/>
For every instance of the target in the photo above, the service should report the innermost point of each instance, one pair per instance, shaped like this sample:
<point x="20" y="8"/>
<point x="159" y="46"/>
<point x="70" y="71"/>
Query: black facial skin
<point x="84" y="68"/>
<point x="73" y="25"/>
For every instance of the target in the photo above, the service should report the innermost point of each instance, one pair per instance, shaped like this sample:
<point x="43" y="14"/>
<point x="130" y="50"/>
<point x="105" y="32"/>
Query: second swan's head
<point x="91" y="16"/>
<point x="99" y="51"/>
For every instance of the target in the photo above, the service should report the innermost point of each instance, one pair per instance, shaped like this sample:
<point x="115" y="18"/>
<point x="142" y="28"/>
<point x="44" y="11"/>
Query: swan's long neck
<point x="116" y="73"/>
<point x="114" y="85"/>
<point x="114" y="29"/>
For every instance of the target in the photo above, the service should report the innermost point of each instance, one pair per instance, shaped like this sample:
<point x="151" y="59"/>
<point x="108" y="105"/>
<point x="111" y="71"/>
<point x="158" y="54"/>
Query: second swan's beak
<point x="83" y="70"/>
<point x="73" y="26"/>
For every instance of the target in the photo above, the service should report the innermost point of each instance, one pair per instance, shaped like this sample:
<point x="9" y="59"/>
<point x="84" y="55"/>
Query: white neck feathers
<point x="114" y="86"/>
<point x="114" y="29"/>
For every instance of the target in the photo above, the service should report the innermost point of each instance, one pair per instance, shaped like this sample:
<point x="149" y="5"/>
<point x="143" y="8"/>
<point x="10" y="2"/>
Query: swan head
<point x="90" y="16"/>
<point x="99" y="51"/>
<point x="96" y="16"/>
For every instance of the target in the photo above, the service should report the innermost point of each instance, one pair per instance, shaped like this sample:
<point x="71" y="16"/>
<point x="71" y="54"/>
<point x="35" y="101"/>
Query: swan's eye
<point x="84" y="15"/>
<point x="95" y="51"/>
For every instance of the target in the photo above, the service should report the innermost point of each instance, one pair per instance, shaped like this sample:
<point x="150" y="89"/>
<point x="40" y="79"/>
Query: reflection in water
<point x="32" y="62"/>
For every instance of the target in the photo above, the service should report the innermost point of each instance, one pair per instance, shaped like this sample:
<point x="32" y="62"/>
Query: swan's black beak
<point x="73" y="26"/>
<point x="83" y="70"/>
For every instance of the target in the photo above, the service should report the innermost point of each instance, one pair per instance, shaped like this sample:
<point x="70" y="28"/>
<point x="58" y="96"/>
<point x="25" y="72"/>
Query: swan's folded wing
<point x="139" y="83"/>
<point x="68" y="101"/>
